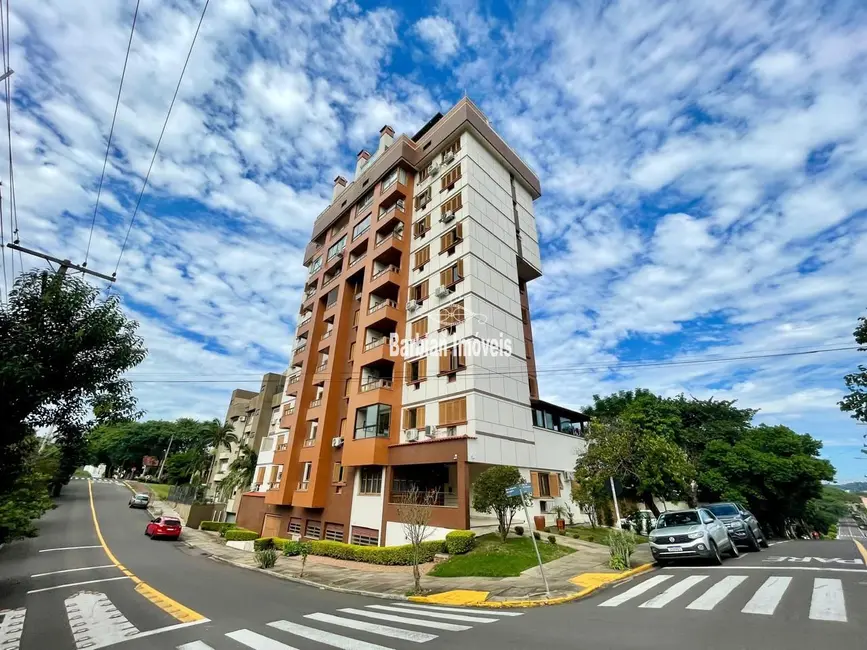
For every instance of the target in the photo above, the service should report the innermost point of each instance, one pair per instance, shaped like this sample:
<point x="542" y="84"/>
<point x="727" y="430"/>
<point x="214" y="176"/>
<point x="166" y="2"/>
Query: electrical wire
<point x="111" y="132"/>
<point x="586" y="369"/>
<point x="3" y="248"/>
<point x="7" y="61"/>
<point x="160" y="139"/>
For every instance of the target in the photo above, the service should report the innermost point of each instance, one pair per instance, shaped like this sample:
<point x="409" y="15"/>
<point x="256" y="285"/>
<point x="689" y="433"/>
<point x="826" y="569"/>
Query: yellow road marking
<point x="171" y="607"/>
<point x="861" y="550"/>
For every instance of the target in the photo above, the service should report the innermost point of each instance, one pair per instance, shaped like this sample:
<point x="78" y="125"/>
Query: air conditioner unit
<point x="295" y="537"/>
<point x="358" y="296"/>
<point x="430" y="431"/>
<point x="433" y="170"/>
<point x="448" y="216"/>
<point x="398" y="229"/>
<point x="448" y="156"/>
<point x="412" y="305"/>
<point x="411" y="435"/>
<point x="337" y="442"/>
<point x="442" y="291"/>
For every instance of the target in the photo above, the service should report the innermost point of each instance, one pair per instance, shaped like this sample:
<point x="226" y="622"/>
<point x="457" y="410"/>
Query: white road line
<point x="160" y="630"/>
<point x="674" y="591"/>
<point x="770" y="567"/>
<point x="828" y="602"/>
<point x="95" y="621"/>
<point x="713" y="596"/>
<point x="11" y="627"/>
<point x="445" y="617"/>
<point x="68" y="548"/>
<point x="328" y="638"/>
<point x="373" y="628"/>
<point x="195" y="645"/>
<point x="257" y="641"/>
<point x="84" y="568"/>
<point x="76" y="584"/>
<point x="768" y="596"/>
<point x="461" y="610"/>
<point x="636" y="591"/>
<point x="419" y="622"/>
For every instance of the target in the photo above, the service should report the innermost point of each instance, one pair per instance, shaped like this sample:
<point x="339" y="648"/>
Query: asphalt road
<point x="795" y="594"/>
<point x="848" y="529"/>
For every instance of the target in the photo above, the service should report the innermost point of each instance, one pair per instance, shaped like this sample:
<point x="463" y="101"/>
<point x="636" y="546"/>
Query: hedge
<point x="210" y="525"/>
<point x="387" y="555"/>
<point x="271" y="542"/>
<point x="236" y="534"/>
<point x="460" y="541"/>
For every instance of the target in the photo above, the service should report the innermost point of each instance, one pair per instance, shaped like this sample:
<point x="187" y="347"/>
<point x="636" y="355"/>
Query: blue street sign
<point x="518" y="490"/>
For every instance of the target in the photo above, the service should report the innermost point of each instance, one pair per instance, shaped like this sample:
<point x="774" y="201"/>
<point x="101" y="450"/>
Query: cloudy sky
<point x="703" y="166"/>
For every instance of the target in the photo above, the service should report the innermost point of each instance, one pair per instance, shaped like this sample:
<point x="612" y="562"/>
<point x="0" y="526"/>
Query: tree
<point x="489" y="495"/>
<point x="28" y="498"/>
<point x="185" y="467"/>
<point x="218" y="435"/>
<point x="591" y="495"/>
<point x="856" y="401"/>
<point x="414" y="511"/>
<point x="646" y="463"/>
<point x="63" y="352"/>
<point x="241" y="473"/>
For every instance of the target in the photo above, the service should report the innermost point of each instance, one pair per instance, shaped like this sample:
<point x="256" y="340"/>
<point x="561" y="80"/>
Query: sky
<point x="703" y="169"/>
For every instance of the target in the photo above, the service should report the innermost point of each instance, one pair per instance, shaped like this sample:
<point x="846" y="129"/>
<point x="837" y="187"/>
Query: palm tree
<point x="219" y="435"/>
<point x="241" y="472"/>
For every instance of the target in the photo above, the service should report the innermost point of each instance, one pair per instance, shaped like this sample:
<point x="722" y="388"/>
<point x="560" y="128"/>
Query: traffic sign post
<point x="523" y="490"/>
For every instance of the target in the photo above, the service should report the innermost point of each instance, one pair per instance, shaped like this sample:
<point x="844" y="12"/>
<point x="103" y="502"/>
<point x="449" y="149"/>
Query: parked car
<point x="167" y="527"/>
<point x="694" y="533"/>
<point x="743" y="526"/>
<point x="139" y="500"/>
<point x="639" y="521"/>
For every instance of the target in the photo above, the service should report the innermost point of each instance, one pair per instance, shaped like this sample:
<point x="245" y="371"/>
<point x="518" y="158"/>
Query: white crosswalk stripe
<point x="195" y="645"/>
<point x="11" y="627"/>
<point x="462" y="610"/>
<point x="257" y="641"/>
<point x="636" y="591"/>
<point x="418" y="622"/>
<point x="446" y="617"/>
<point x="827" y="602"/>
<point x="328" y="638"/>
<point x="373" y="628"/>
<point x="674" y="591"/>
<point x="714" y="596"/>
<point x="768" y="596"/>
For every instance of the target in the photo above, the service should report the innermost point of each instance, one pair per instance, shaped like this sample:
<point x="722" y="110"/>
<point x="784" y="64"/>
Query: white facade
<point x="366" y="508"/>
<point x="269" y="445"/>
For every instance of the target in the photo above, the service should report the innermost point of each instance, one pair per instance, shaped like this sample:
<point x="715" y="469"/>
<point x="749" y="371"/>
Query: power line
<point x="111" y="132"/>
<point x="330" y="376"/>
<point x="160" y="139"/>
<point x="7" y="80"/>
<point x="3" y="248"/>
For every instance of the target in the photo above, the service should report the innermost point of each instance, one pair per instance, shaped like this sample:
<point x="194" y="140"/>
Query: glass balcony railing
<point x="376" y="383"/>
<point x="371" y="431"/>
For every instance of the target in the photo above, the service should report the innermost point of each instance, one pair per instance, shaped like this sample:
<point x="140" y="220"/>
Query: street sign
<point x="518" y="490"/>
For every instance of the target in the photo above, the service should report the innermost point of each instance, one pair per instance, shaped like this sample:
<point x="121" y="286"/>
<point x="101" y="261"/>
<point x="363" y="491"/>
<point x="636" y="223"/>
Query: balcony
<point x="375" y="343"/>
<point x="371" y="431"/>
<point x="395" y="190"/>
<point x="283" y="446"/>
<point x="391" y="239"/>
<point x="293" y="379"/>
<point x="374" y="384"/>
<point x="322" y="366"/>
<point x="326" y="334"/>
<point x="303" y="486"/>
<point x="386" y="279"/>
<point x="274" y="486"/>
<point x="298" y="350"/>
<point x="305" y="319"/>
<point x="382" y="305"/>
<point x="395" y="211"/>
<point x="316" y="402"/>
<point x="329" y="279"/>
<point x="289" y="410"/>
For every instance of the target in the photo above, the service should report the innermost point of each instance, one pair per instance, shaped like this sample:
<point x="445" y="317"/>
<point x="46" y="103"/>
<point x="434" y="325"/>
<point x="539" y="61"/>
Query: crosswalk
<point x="113" y="481"/>
<point x="763" y="596"/>
<point x="397" y="621"/>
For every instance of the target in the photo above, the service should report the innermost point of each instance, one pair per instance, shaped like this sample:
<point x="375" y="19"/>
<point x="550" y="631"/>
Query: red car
<point x="167" y="527"/>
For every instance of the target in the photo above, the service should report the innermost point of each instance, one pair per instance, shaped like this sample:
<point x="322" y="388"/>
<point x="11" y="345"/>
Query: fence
<point x="188" y="494"/>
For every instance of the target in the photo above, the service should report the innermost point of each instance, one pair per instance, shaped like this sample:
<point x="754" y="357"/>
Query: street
<point x="848" y="529"/>
<point x="63" y="590"/>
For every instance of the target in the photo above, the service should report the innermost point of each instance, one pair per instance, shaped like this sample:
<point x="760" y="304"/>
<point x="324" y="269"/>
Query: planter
<point x="561" y="525"/>
<point x="539" y="521"/>
<point x="242" y="546"/>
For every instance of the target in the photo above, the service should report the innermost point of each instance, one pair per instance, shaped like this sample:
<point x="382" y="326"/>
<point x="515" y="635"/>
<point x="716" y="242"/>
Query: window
<point x="396" y="175"/>
<point x="413" y="418"/>
<point x="452" y="275"/>
<point x="355" y="318"/>
<point x="453" y="411"/>
<point x="422" y="175"/>
<point x="544" y="485"/>
<point x="543" y="507"/>
<point x="452" y="238"/>
<point x="346" y="384"/>
<point x="370" y="481"/>
<point x="352" y="349"/>
<point x="418" y="328"/>
<point x="419" y="291"/>
<point x="365" y="536"/>
<point x="452" y="360"/>
<point x="294" y="526"/>
<point x="334" y="532"/>
<point x="365" y="202"/>
<point x="337" y="473"/>
<point x="423" y="199"/>
<point x="273" y="474"/>
<point x="315" y="265"/>
<point x="452" y="315"/>
<point x="416" y="371"/>
<point x="373" y="421"/>
<point x="361" y="227"/>
<point x="304" y="483"/>
<point x="260" y="474"/>
<point x="420" y="227"/>
<point x="454" y="147"/>
<point x="449" y="179"/>
<point x="337" y="247"/>
<point x="312" y="429"/>
<point x="422" y="257"/>
<point x="452" y="205"/>
<point x="314" y="529"/>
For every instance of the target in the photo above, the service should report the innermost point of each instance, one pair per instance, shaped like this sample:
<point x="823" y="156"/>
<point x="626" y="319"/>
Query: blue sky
<point x="703" y="168"/>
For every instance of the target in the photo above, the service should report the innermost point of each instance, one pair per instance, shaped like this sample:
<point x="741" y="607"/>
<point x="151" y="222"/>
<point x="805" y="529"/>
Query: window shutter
<point x="444" y="277"/>
<point x="273" y="474"/>
<point x="534" y="481"/>
<point x="427" y="223"/>
<point x="461" y="410"/>
<point x="423" y="290"/>
<point x="406" y="419"/>
<point x="444" y="413"/>
<point x="459" y="231"/>
<point x="407" y="372"/>
<point x="444" y="361"/>
<point x="260" y="475"/>
<point x="335" y="473"/>
<point x="462" y="361"/>
<point x="422" y="256"/>
<point x="422" y="368"/>
<point x="458" y="203"/>
<point x="554" y="484"/>
<point x="460" y="270"/>
<point x="419" y="417"/>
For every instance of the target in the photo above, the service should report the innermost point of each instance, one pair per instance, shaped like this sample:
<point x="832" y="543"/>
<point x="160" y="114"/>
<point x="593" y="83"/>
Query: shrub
<point x="266" y="558"/>
<point x="263" y="543"/>
<point x="236" y="534"/>
<point x="552" y="539"/>
<point x="621" y="544"/>
<point x="460" y="541"/>
<point x="536" y="534"/>
<point x="225" y="528"/>
<point x="561" y="532"/>
<point x="385" y="555"/>
<point x="291" y="548"/>
<point x="210" y="525"/>
<point x="519" y="531"/>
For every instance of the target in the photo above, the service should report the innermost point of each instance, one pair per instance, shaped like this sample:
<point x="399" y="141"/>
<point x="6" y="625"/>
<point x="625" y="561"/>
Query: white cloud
<point x="440" y="35"/>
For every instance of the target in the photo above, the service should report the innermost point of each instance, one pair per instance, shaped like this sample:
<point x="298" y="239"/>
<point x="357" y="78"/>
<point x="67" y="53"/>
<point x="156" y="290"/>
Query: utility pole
<point x="165" y="457"/>
<point x="65" y="265"/>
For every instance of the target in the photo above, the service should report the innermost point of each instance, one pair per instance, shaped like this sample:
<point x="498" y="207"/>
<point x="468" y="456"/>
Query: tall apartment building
<point x="249" y="414"/>
<point x="434" y="240"/>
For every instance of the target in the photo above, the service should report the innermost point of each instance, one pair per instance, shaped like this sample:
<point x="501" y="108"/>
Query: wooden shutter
<point x="422" y="369"/>
<point x="427" y="223"/>
<point x="273" y="478"/>
<point x="260" y="475"/>
<point x="422" y="256"/>
<point x="418" y="328"/>
<point x="459" y="231"/>
<point x="407" y="372"/>
<point x="453" y="411"/>
<point x="462" y="359"/>
<point x="423" y="290"/>
<point x="461" y="410"/>
<point x="534" y="481"/>
<point x="335" y="473"/>
<point x="460" y="268"/>
<point x="419" y="417"/>
<point x="554" y="484"/>
<point x="444" y="361"/>
<point x="406" y="418"/>
<point x="444" y="277"/>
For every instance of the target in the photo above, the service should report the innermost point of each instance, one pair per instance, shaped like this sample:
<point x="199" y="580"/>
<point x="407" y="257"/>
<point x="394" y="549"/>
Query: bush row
<point x="240" y="535"/>
<point x="387" y="555"/>
<point x="460" y="541"/>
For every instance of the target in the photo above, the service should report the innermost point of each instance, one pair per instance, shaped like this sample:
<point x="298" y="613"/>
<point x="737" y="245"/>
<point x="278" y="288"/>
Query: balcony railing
<point x="308" y="442"/>
<point x="300" y="349"/>
<point x="322" y="366"/>
<point x="275" y="486"/>
<point x="376" y="383"/>
<point x="371" y="431"/>
<point x="330" y="305"/>
<point x="399" y="205"/>
<point x="326" y="334"/>
<point x="385" y="303"/>
<point x="357" y="260"/>
<point x="316" y="402"/>
<point x="392" y="235"/>
<point x="289" y="410"/>
<point x="327" y="281"/>
<point x="305" y="321"/>
<point x="303" y="485"/>
<point x="283" y="446"/>
<point x="442" y="499"/>
<point x="375" y="343"/>
<point x="293" y="379"/>
<point x="388" y="269"/>
<point x="267" y="444"/>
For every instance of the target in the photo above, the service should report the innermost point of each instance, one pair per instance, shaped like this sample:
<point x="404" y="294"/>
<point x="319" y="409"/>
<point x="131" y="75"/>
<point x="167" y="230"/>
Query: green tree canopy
<point x="489" y="495"/>
<point x="856" y="401"/>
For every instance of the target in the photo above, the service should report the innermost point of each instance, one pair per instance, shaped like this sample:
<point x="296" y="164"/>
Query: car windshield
<point x="171" y="522"/>
<point x="672" y="519"/>
<point x="142" y="497"/>
<point x="723" y="510"/>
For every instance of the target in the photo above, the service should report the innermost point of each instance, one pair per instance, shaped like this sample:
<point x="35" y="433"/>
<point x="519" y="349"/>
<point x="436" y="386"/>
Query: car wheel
<point x="734" y="552"/>
<point x="662" y="563"/>
<point x="146" y="532"/>
<point x="715" y="558"/>
<point x="764" y="542"/>
<point x="754" y="543"/>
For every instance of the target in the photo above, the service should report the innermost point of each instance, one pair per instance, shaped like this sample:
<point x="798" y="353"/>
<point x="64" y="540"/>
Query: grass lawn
<point x="598" y="535"/>
<point x="160" y="490"/>
<point x="494" y="558"/>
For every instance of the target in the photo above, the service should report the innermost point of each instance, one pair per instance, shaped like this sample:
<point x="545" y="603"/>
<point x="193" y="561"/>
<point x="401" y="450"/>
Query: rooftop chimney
<point x="363" y="157"/>
<point x="386" y="138"/>
<point x="339" y="186"/>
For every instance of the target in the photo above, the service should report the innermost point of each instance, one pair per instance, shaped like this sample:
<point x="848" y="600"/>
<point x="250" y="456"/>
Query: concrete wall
<point x="366" y="510"/>
<point x="251" y="512"/>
